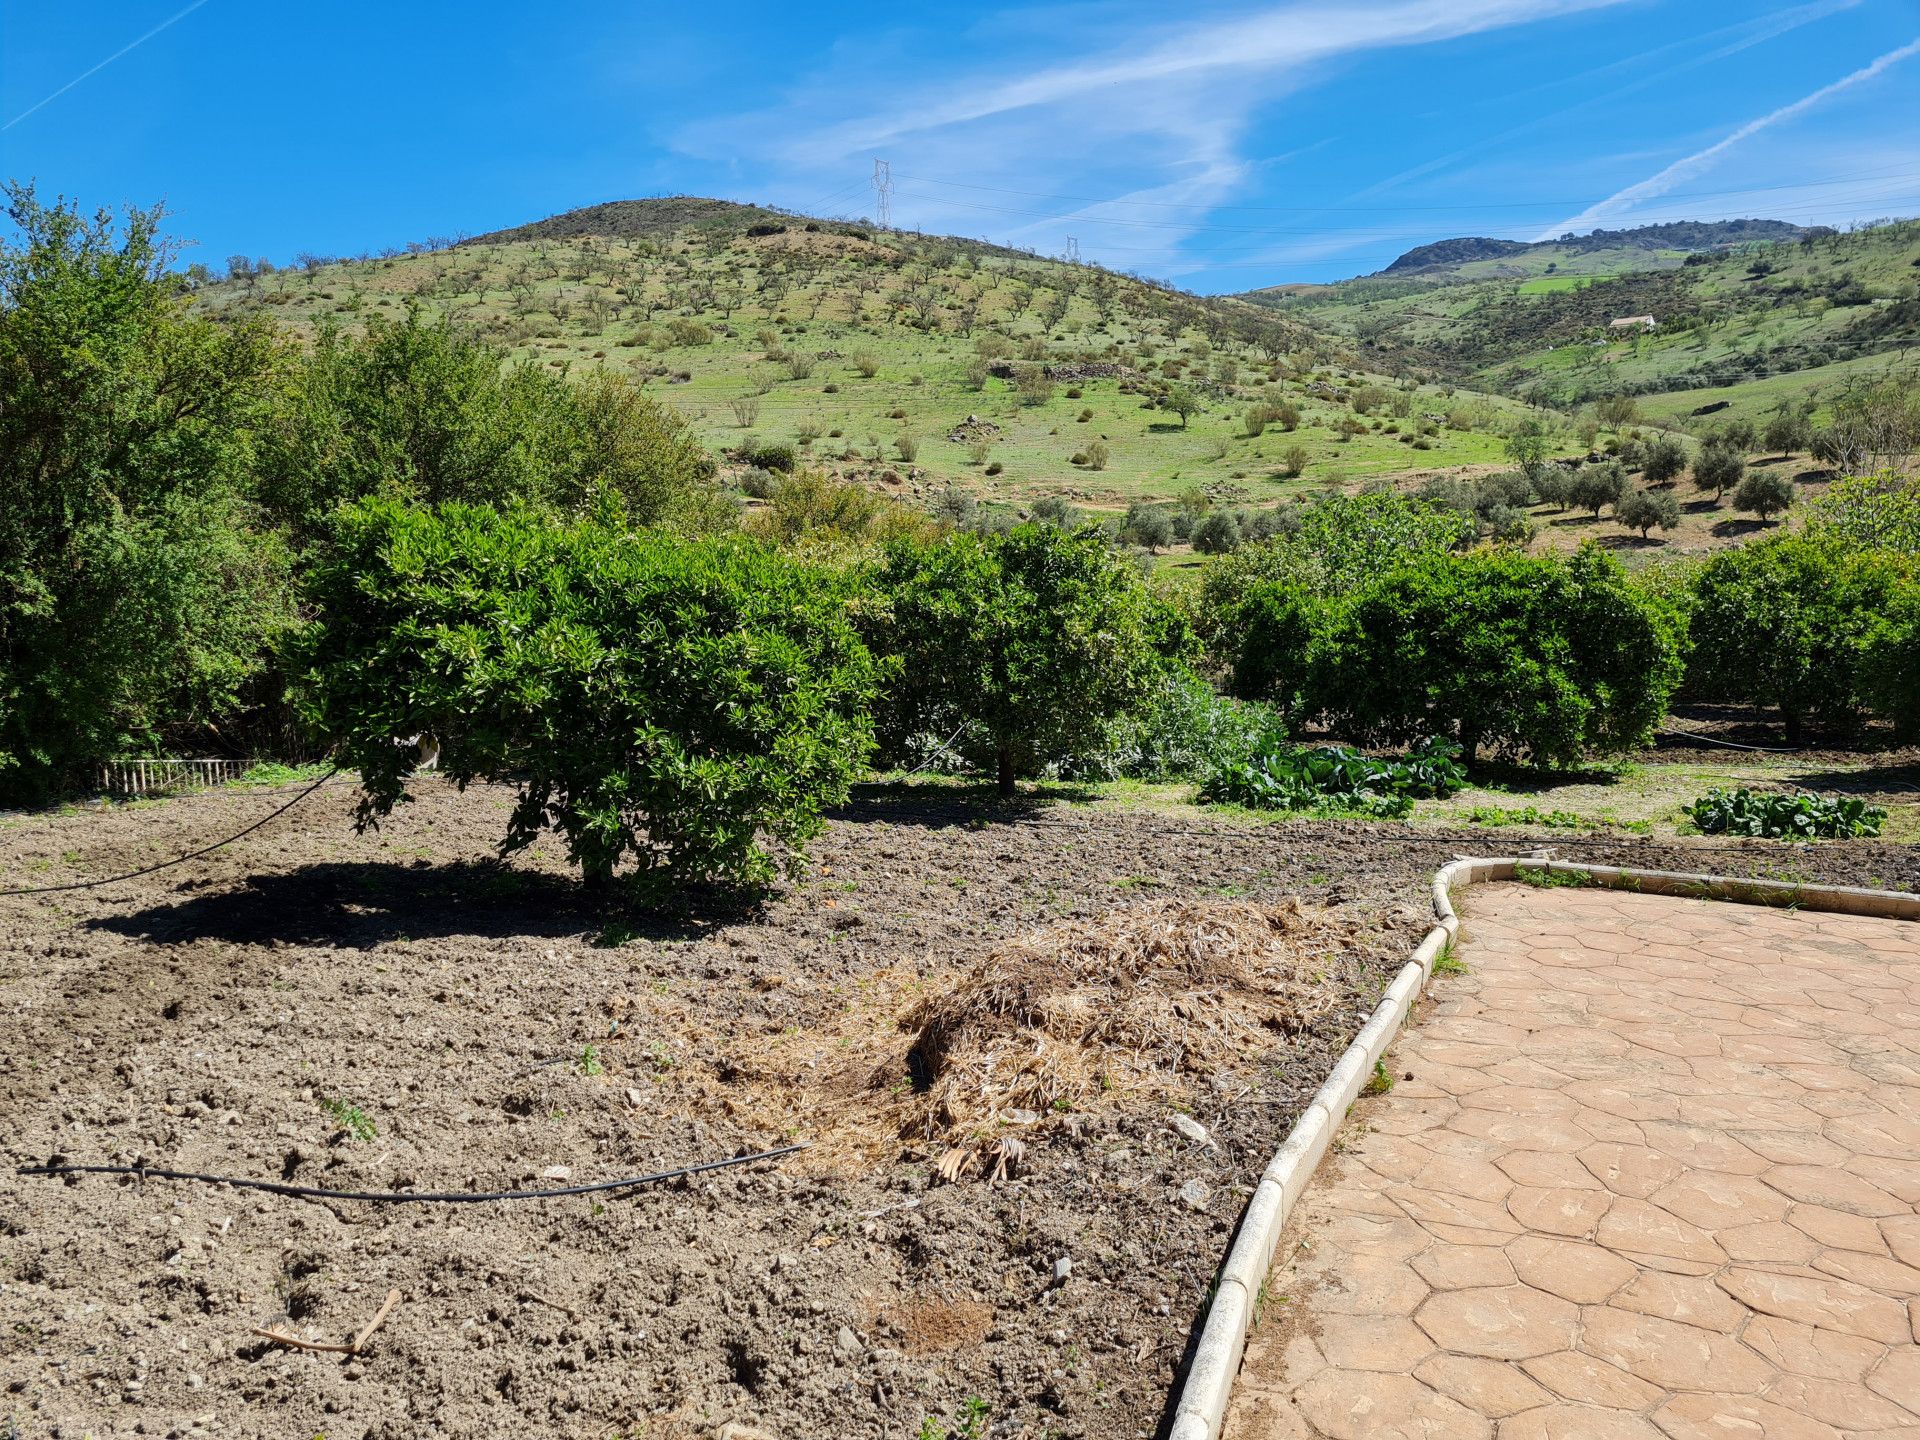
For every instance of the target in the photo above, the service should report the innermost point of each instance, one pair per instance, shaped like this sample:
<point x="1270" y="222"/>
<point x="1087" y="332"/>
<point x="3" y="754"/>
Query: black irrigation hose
<point x="178" y="859"/>
<point x="400" y="1197"/>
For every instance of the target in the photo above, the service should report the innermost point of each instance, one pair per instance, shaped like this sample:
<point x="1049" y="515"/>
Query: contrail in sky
<point x="86" y="75"/>
<point x="1689" y="166"/>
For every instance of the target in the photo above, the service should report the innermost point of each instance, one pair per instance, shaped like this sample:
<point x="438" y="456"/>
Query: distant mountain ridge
<point x="1690" y="235"/>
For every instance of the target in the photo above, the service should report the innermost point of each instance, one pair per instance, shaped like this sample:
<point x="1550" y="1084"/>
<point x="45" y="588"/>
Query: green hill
<point x="1758" y="310"/>
<point x="914" y="362"/>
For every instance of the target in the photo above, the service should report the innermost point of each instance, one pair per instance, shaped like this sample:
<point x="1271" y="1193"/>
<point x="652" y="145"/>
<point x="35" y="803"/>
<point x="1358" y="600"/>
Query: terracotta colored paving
<point x="1656" y="1173"/>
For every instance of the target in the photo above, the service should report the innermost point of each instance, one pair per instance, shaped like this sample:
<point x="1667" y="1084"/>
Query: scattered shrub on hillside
<point x="746" y="411"/>
<point x="1097" y="454"/>
<point x="684" y="330"/>
<point x="1647" y="510"/>
<point x="907" y="446"/>
<point x="1293" y="461"/>
<point x="812" y="510"/>
<point x="1773" y="816"/>
<point x="1217" y="533"/>
<point x="770" y="455"/>
<point x="1037" y="635"/>
<point x="1763" y="493"/>
<point x="760" y="484"/>
<point x="865" y="362"/>
<point x="1032" y="383"/>
<point x="690" y="707"/>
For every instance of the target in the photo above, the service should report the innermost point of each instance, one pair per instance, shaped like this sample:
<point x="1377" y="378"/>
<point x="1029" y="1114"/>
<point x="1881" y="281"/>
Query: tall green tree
<point x="135" y="597"/>
<point x="429" y="412"/>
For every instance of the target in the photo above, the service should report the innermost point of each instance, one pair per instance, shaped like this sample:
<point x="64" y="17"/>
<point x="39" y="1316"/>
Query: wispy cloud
<point x="1174" y="106"/>
<point x="1747" y="33"/>
<point x="1687" y="167"/>
<point x="171" y="20"/>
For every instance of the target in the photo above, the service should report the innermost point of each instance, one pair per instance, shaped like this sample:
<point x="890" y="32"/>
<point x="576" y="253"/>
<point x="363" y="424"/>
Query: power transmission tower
<point x="883" y="193"/>
<point x="1073" y="251"/>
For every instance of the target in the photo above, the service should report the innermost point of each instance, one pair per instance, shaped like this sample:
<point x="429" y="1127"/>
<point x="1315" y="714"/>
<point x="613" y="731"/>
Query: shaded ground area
<point x="396" y="1010"/>
<point x="1651" y="1169"/>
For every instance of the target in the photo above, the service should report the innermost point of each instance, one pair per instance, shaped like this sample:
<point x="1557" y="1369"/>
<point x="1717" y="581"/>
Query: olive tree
<point x="1763" y="493"/>
<point x="1644" y="510"/>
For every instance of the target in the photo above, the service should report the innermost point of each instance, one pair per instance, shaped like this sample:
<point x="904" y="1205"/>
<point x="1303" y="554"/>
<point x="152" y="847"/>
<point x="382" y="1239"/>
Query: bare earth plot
<point x="1653" y="1170"/>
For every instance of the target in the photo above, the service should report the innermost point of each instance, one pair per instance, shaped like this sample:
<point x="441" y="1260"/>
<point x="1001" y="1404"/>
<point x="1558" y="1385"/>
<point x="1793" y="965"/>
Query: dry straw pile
<point x="1154" y="996"/>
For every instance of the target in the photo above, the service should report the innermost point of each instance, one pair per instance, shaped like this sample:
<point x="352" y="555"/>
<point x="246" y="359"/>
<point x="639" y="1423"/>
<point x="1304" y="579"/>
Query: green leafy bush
<point x="427" y="410"/>
<point x="1796" y="622"/>
<point x="1774" y="816"/>
<point x="1279" y="776"/>
<point x="137" y="602"/>
<point x="1181" y="727"/>
<point x="1038" y="636"/>
<point x="658" y="700"/>
<point x="1555" y="659"/>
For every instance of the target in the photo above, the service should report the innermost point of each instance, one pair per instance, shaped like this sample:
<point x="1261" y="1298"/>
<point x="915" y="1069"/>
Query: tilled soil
<point x="488" y="1028"/>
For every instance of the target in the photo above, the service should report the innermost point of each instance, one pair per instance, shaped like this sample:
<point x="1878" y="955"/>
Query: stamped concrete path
<point x="1654" y="1171"/>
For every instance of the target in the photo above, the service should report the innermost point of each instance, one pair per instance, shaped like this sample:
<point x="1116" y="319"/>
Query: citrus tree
<point x="1533" y="657"/>
<point x="690" y="707"/>
<point x="1038" y="636"/>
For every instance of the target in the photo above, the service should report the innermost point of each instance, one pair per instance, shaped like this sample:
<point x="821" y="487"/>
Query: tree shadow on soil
<point x="359" y="905"/>
<point x="938" y="807"/>
<point x="1900" y="778"/>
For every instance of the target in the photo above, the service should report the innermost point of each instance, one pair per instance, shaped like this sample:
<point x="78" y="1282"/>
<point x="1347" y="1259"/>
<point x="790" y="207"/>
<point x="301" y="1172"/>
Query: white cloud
<point x="1689" y="166"/>
<point x="1174" y="104"/>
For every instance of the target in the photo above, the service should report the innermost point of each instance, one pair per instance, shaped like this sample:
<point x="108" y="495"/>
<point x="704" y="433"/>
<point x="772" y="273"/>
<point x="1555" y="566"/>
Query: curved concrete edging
<point x="1202" y="1407"/>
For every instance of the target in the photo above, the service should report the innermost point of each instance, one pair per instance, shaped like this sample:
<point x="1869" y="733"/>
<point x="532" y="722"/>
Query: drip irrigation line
<point x="400" y="1197"/>
<point x="178" y="859"/>
<point x="1731" y="744"/>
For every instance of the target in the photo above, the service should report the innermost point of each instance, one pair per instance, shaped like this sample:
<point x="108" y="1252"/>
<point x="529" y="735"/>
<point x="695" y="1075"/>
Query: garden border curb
<point x="1201" y="1409"/>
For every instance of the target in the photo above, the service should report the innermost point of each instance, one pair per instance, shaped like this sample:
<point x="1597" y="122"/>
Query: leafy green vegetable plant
<point x="1294" y="777"/>
<point x="1773" y="816"/>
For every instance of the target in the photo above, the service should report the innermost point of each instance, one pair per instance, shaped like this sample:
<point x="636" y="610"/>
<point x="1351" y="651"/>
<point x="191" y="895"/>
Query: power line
<point x="883" y="193"/>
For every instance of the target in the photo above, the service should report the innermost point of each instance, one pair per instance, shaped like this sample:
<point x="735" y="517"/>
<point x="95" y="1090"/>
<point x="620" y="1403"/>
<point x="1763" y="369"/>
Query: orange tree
<point x="690" y="706"/>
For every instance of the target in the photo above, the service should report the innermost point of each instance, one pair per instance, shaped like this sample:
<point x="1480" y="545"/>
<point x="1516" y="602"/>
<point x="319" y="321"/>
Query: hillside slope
<point x="1538" y="322"/>
<point x="913" y="362"/>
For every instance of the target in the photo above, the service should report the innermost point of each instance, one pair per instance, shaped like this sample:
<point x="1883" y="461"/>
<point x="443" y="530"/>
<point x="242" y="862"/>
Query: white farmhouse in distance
<point x="1632" y="322"/>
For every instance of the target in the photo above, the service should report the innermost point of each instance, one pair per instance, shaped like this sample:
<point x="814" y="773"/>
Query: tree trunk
<point x="596" y="876"/>
<point x="1006" y="771"/>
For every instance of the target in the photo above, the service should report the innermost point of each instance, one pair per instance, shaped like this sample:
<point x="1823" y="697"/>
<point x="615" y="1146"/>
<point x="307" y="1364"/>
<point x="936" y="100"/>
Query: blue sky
<point x="1218" y="145"/>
